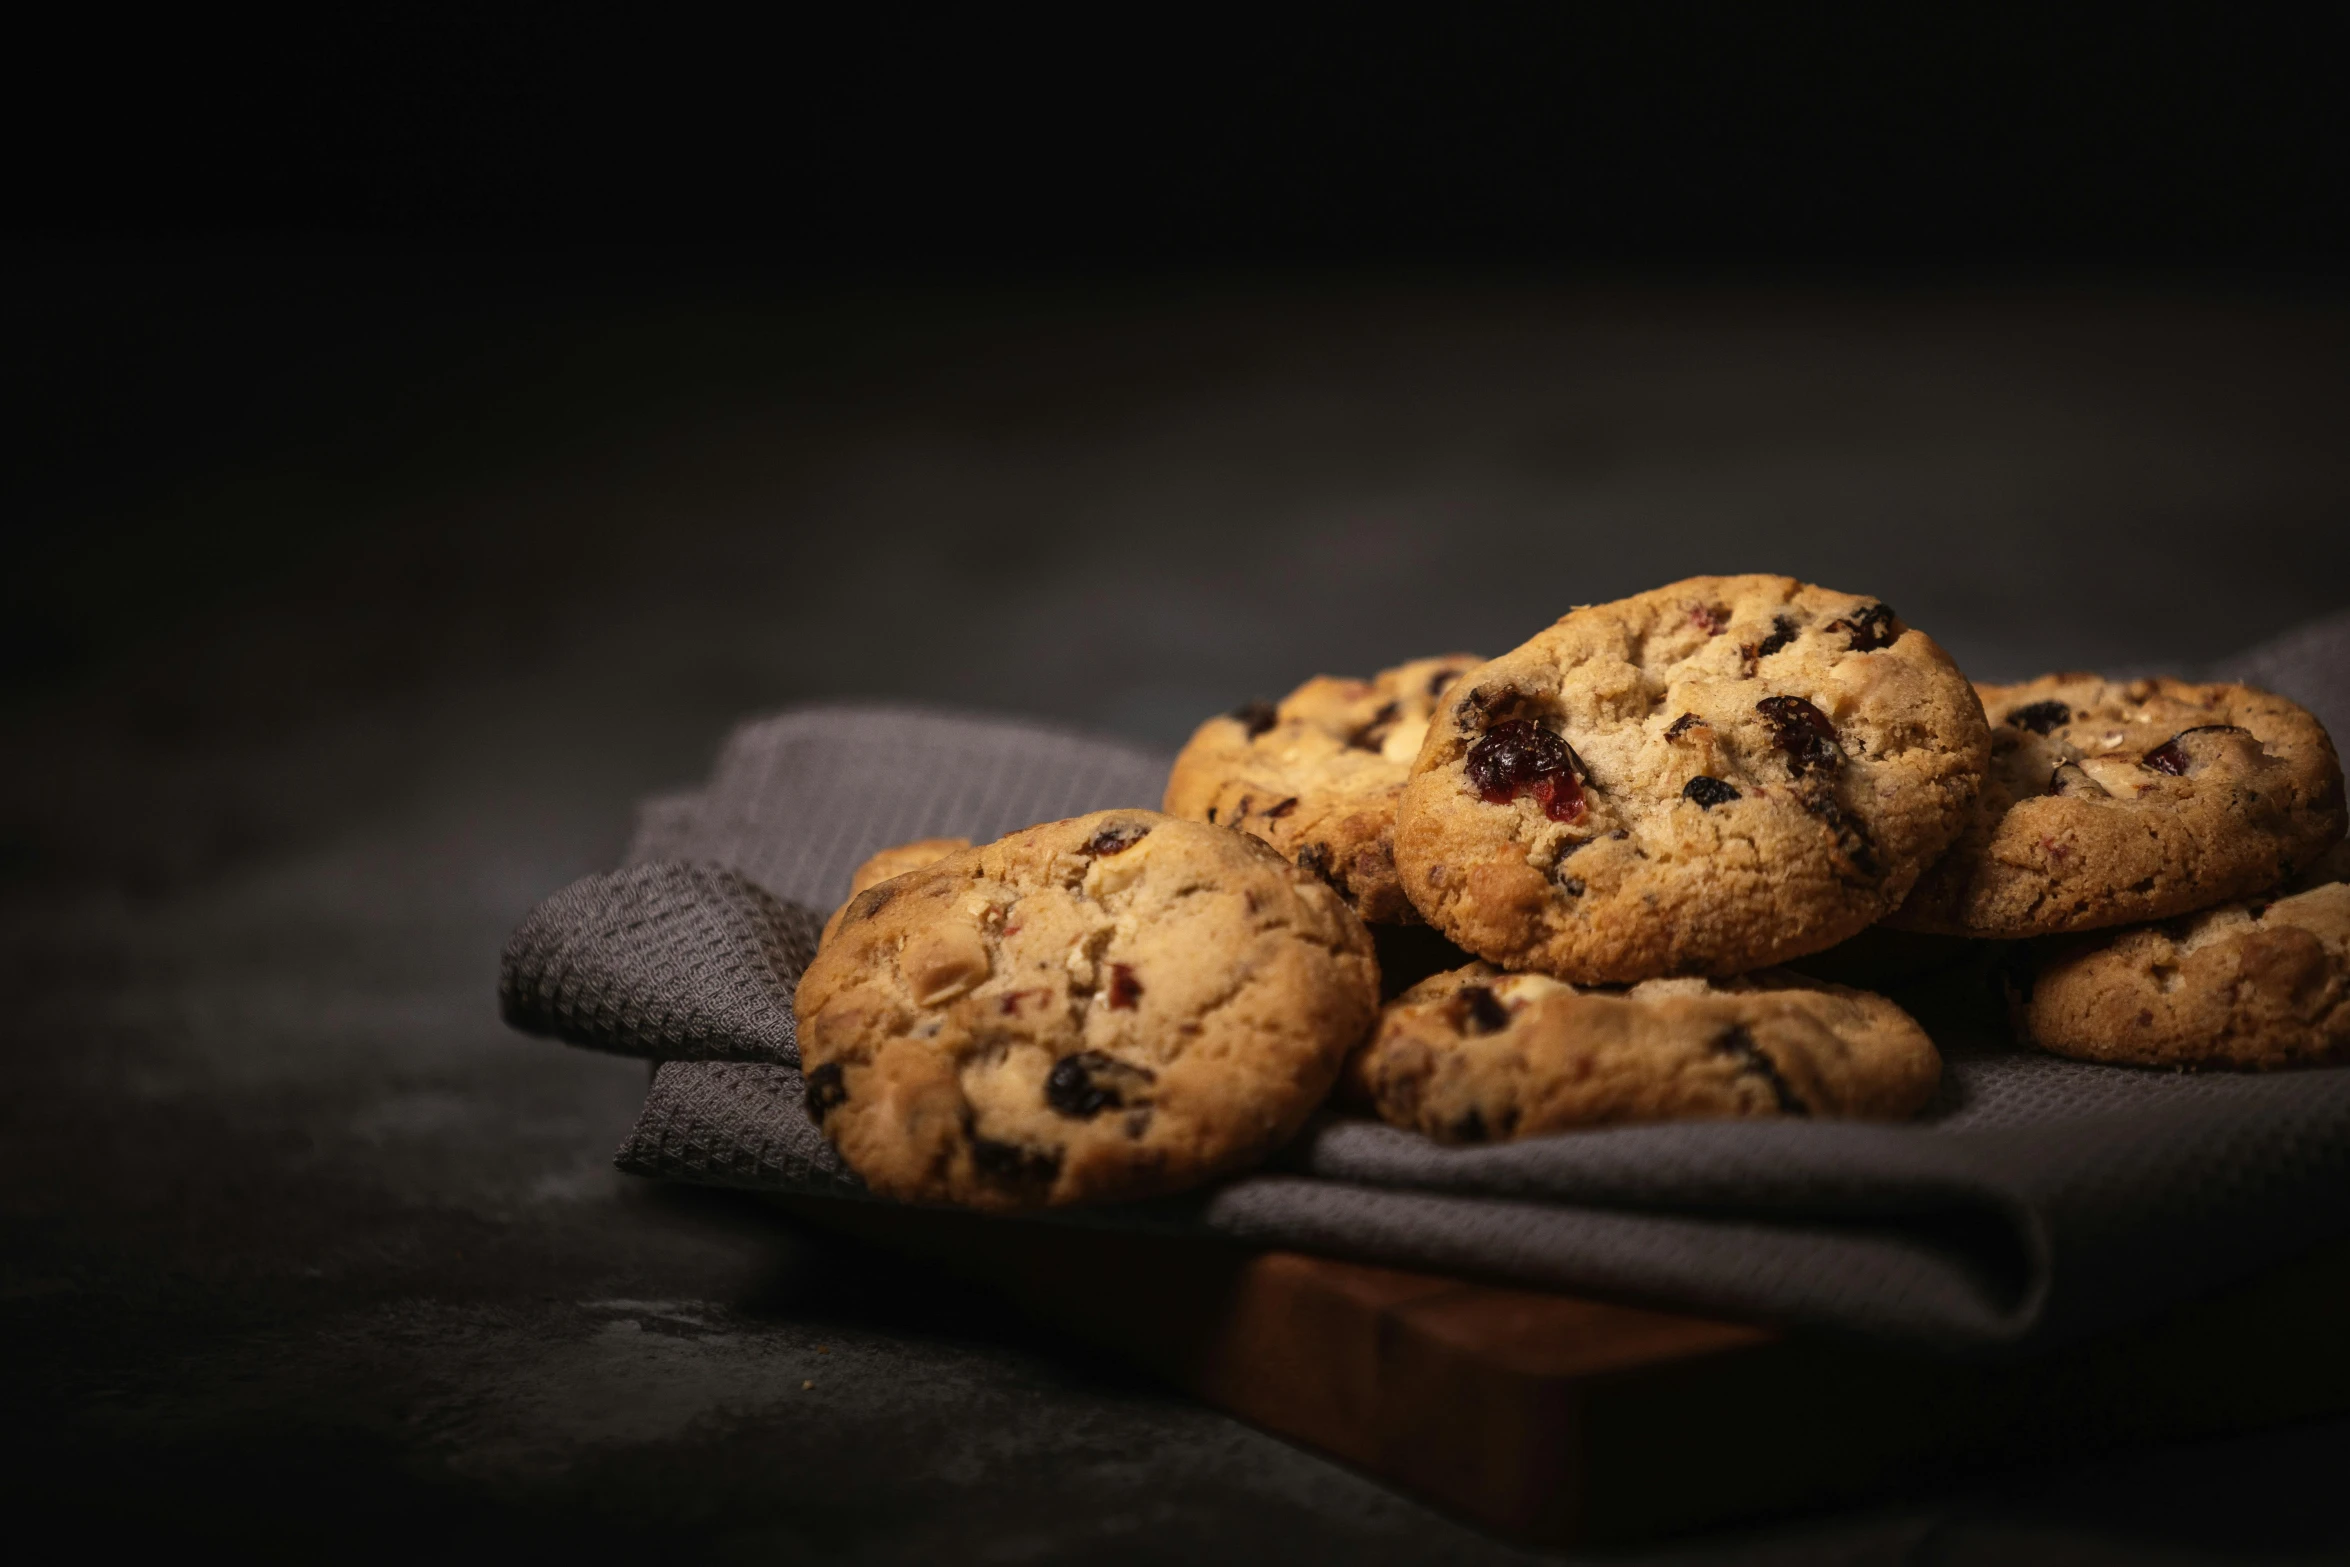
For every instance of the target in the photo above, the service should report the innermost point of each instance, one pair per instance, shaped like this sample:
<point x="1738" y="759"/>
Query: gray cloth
<point x="2036" y="1200"/>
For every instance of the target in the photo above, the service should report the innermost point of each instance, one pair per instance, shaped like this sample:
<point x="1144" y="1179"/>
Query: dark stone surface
<point x="354" y="603"/>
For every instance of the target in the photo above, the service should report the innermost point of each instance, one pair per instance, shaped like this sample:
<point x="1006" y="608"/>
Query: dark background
<point x="425" y="436"/>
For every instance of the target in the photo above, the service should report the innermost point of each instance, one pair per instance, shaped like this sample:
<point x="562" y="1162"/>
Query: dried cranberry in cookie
<point x="1317" y="776"/>
<point x="2112" y="802"/>
<point x="1706" y="779"/>
<point x="1119" y="1005"/>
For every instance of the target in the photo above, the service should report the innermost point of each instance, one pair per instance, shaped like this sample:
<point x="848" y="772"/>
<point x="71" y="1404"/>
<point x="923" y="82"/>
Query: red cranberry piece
<point x="1871" y="628"/>
<point x="2040" y="717"/>
<point x="2168" y="758"/>
<point x="1783" y="631"/>
<point x="1116" y="838"/>
<point x="1477" y="1010"/>
<point x="1521" y="757"/>
<point x="1125" y="989"/>
<point x="1803" y="732"/>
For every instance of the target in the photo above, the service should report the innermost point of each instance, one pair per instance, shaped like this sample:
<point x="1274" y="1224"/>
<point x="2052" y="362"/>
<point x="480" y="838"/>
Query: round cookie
<point x="2113" y="802"/>
<point x="2251" y="985"/>
<point x="1478" y="1055"/>
<point x="1317" y="775"/>
<point x="1704" y="779"/>
<point x="896" y="860"/>
<point x="1118" y="1005"/>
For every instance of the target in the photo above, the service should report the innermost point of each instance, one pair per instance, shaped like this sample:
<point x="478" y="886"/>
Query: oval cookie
<point x="1478" y="1055"/>
<point x="1318" y="774"/>
<point x="1708" y="778"/>
<point x="1118" y="1005"/>
<point x="2113" y="802"/>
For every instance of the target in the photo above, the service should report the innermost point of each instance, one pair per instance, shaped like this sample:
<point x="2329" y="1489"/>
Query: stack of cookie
<point x="1605" y="844"/>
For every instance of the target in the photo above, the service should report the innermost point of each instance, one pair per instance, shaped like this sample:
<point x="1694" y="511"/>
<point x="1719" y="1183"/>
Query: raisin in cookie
<point x="1118" y="1005"/>
<point x="1478" y="1055"/>
<point x="2112" y="802"/>
<point x="893" y="861"/>
<point x="2252" y="985"/>
<point x="1317" y="776"/>
<point x="1704" y="779"/>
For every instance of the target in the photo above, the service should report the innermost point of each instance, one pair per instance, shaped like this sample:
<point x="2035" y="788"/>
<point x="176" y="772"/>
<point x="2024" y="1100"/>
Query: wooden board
<point x="1568" y="1421"/>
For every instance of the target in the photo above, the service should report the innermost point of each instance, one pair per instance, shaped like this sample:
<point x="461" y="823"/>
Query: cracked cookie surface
<point x="1708" y="778"/>
<point x="1118" y="1005"/>
<point x="1477" y="1055"/>
<point x="2113" y="802"/>
<point x="1318" y="775"/>
<point x="2253" y="985"/>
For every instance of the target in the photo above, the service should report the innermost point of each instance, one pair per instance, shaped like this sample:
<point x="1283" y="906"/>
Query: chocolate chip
<point x="1803" y="732"/>
<point x="1469" y="1128"/>
<point x="1682" y="725"/>
<point x="1125" y="989"/>
<point x="1115" y="838"/>
<point x="1439" y="680"/>
<point x="1738" y="1042"/>
<point x="825" y="1091"/>
<point x="2040" y="717"/>
<point x="1257" y="716"/>
<point x="1315" y="857"/>
<point x="1871" y="629"/>
<point x="1009" y="1164"/>
<point x="1211" y="816"/>
<point x="1708" y="792"/>
<point x="1477" y="1010"/>
<point x="1284" y="808"/>
<point x="1083" y="1085"/>
<point x="1521" y="757"/>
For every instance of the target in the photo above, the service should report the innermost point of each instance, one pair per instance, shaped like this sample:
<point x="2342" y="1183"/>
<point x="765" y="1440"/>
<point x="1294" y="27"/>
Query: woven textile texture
<point x="2036" y="1200"/>
<point x="671" y="960"/>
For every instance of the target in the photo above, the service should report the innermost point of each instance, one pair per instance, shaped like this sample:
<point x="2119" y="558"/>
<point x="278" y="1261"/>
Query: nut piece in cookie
<point x="1705" y="779"/>
<point x="2249" y="985"/>
<point x="1317" y="775"/>
<point x="890" y="863"/>
<point x="2114" y="802"/>
<point x="1478" y="1055"/>
<point x="1119" y="1005"/>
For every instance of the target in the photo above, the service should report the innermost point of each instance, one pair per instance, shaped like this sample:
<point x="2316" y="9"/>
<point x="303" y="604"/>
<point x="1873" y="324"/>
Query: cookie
<point x="1119" y="1005"/>
<point x="2249" y="985"/>
<point x="2116" y="802"/>
<point x="895" y="860"/>
<point x="1478" y="1055"/>
<point x="900" y="858"/>
<point x="1318" y="774"/>
<point x="1709" y="778"/>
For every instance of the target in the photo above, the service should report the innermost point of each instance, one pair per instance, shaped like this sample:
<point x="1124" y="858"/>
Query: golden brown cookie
<point x="895" y="860"/>
<point x="2113" y="802"/>
<point x="1478" y="1055"/>
<point x="2251" y="985"/>
<point x="1705" y="779"/>
<point x="1118" y="1005"/>
<point x="1317" y="775"/>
